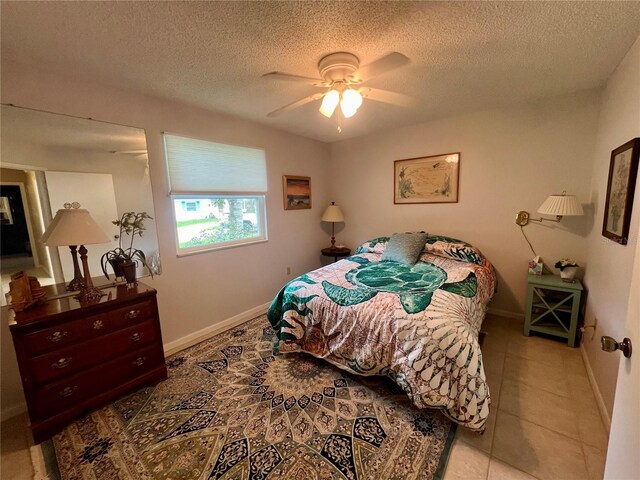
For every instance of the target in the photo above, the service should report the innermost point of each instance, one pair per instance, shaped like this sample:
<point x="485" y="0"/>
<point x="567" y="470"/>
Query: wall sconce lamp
<point x="559" y="205"/>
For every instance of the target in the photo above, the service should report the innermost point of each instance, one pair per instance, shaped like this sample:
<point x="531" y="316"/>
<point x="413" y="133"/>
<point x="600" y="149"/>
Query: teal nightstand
<point x="553" y="307"/>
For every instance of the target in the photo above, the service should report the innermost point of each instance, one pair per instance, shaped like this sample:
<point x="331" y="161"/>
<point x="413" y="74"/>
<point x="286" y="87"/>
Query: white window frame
<point x="261" y="216"/>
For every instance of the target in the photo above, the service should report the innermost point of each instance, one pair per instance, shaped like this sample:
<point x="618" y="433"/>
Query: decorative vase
<point x="568" y="273"/>
<point x="129" y="271"/>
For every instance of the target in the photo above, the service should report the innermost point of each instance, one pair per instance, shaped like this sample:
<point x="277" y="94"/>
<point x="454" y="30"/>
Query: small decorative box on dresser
<point x="74" y="358"/>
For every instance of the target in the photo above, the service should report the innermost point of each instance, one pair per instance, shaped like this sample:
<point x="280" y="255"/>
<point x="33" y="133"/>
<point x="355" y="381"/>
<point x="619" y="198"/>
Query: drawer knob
<point x="97" y="325"/>
<point x="136" y="337"/>
<point x="138" y="362"/>
<point x="57" y="336"/>
<point x="67" y="391"/>
<point x="62" y="363"/>
<point x="132" y="314"/>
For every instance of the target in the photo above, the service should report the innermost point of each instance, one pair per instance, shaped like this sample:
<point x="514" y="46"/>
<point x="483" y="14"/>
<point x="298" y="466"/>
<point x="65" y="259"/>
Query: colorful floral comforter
<point x="416" y="324"/>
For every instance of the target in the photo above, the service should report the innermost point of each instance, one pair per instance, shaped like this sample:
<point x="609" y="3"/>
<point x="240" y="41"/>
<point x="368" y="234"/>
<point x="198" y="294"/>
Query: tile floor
<point x="544" y="424"/>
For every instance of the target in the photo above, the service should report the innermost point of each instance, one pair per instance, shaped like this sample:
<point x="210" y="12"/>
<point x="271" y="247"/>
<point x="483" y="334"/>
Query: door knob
<point x="610" y="345"/>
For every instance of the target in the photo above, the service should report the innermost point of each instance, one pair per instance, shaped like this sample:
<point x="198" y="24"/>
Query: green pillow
<point x="404" y="248"/>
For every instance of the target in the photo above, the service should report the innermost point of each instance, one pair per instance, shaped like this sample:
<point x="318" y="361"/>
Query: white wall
<point x="511" y="160"/>
<point x="197" y="291"/>
<point x="610" y="264"/>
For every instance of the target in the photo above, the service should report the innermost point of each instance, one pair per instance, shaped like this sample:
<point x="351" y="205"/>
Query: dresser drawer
<point x="67" y="393"/>
<point x="57" y="337"/>
<point x="137" y="312"/>
<point x="66" y="361"/>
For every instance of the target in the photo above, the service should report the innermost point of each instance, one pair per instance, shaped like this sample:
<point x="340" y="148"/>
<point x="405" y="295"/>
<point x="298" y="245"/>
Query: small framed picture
<point x="623" y="171"/>
<point x="431" y="179"/>
<point x="296" y="192"/>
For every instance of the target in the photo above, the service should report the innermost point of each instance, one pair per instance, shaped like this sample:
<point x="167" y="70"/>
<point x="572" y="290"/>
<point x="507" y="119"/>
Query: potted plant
<point x="123" y="261"/>
<point x="568" y="269"/>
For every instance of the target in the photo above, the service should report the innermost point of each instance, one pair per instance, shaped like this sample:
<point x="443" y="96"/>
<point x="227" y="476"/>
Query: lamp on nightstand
<point x="333" y="214"/>
<point x="73" y="226"/>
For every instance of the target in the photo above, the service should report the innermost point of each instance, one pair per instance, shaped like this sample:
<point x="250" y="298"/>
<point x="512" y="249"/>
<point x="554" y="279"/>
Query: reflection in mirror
<point x="49" y="160"/>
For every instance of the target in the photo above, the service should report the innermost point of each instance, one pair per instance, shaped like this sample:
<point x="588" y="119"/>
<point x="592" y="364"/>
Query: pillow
<point x="376" y="245"/>
<point x="453" y="248"/>
<point x="404" y="248"/>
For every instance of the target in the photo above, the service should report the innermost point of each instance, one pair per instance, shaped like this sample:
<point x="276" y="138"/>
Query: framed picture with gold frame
<point x="296" y="192"/>
<point x="432" y="179"/>
<point x="623" y="170"/>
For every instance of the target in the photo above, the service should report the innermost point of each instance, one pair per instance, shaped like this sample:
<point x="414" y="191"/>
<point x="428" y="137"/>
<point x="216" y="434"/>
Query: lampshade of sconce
<point x="561" y="205"/>
<point x="333" y="214"/>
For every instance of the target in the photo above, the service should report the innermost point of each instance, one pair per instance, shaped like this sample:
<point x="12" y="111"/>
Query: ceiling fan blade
<point x="384" y="64"/>
<point x="128" y="152"/>
<point x="318" y="82"/>
<point x="296" y="104"/>
<point x="388" y="97"/>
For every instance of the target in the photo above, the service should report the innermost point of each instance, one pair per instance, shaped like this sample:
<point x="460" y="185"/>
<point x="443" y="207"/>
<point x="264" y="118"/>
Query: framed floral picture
<point x="431" y="179"/>
<point x="296" y="192"/>
<point x="623" y="171"/>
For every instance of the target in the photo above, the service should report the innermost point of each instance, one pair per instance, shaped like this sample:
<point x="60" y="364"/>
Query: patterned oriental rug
<point x="232" y="410"/>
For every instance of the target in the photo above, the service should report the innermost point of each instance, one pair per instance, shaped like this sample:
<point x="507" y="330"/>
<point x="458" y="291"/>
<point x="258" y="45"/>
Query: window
<point x="218" y="193"/>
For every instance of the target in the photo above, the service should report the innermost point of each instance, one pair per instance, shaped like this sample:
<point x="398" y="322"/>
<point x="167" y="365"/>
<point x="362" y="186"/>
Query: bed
<point x="417" y="324"/>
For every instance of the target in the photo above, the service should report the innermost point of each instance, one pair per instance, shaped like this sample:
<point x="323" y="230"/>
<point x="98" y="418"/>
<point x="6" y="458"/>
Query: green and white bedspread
<point x="416" y="324"/>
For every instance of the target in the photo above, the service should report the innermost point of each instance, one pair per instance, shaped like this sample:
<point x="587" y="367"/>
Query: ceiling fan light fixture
<point x="351" y="101"/>
<point x="329" y="103"/>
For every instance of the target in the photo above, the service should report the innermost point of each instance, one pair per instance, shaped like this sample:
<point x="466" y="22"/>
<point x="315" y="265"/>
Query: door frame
<point x="27" y="216"/>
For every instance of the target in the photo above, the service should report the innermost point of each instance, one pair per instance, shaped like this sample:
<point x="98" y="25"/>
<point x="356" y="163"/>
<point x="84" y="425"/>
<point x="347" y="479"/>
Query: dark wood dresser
<point x="74" y="358"/>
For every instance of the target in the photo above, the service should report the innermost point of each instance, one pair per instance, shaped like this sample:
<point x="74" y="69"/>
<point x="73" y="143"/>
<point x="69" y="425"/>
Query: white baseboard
<point x="505" y="313"/>
<point x="604" y="413"/>
<point x="171" y="347"/>
<point x="12" y="411"/>
<point x="197" y="337"/>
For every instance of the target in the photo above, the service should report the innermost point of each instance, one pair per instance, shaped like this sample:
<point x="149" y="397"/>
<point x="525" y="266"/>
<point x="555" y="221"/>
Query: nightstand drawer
<point x="56" y="337"/>
<point x="65" y="362"/>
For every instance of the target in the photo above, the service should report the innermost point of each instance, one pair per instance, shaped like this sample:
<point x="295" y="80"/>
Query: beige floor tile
<point x="592" y="431"/>
<point x="15" y="462"/>
<point x="536" y="374"/>
<point x="573" y="362"/>
<point x="539" y="406"/>
<point x="466" y="463"/>
<point x="481" y="442"/>
<point x="538" y="349"/>
<point x="496" y="338"/>
<point x="536" y="450"/>
<point x="503" y="471"/>
<point x="494" y="379"/>
<point x="493" y="359"/>
<point x="595" y="462"/>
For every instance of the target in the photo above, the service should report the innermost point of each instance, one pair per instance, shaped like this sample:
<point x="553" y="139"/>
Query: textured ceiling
<point x="22" y="125"/>
<point x="464" y="55"/>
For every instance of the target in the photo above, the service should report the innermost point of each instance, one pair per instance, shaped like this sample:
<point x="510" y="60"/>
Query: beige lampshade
<point x="332" y="214"/>
<point x="73" y="226"/>
<point x="561" y="205"/>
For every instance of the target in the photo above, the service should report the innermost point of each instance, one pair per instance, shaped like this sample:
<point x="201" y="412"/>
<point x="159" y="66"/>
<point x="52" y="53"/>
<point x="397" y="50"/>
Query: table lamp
<point x="333" y="214"/>
<point x="73" y="226"/>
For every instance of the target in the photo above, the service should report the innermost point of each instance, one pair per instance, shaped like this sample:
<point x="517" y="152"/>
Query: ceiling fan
<point x="343" y="79"/>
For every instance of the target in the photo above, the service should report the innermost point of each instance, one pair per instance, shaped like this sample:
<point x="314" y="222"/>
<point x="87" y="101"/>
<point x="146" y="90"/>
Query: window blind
<point x="200" y="166"/>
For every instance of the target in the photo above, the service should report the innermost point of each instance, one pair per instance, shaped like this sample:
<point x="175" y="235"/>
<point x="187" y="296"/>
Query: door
<point x="623" y="459"/>
<point x="13" y="222"/>
<point x="94" y="192"/>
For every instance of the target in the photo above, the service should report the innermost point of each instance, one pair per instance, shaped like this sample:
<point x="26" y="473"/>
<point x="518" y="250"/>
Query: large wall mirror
<point x="49" y="160"/>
